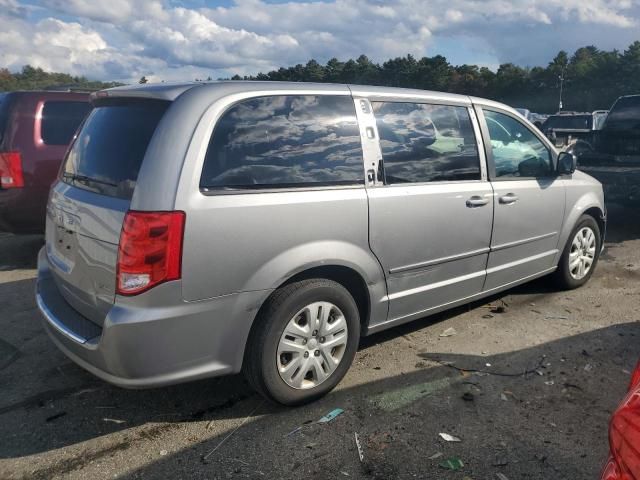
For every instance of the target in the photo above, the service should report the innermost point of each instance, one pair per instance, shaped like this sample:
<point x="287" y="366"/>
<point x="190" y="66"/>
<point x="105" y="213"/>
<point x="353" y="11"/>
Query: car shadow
<point x="539" y="412"/>
<point x="19" y="251"/>
<point x="622" y="223"/>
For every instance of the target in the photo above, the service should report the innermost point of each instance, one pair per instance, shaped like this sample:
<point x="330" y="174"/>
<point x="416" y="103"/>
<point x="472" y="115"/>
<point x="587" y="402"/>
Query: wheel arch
<point x="353" y="267"/>
<point x="588" y="204"/>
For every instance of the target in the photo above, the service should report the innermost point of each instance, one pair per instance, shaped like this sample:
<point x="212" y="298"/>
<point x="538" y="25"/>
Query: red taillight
<point x="11" y="170"/>
<point x="635" y="378"/>
<point x="150" y="250"/>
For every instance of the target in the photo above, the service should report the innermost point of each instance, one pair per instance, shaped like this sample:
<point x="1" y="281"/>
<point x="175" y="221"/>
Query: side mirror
<point x="567" y="163"/>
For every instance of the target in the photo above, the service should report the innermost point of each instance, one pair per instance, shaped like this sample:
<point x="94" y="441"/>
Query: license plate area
<point x="64" y="244"/>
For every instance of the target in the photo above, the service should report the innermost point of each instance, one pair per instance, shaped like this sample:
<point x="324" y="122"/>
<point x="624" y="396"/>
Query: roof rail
<point x="70" y="88"/>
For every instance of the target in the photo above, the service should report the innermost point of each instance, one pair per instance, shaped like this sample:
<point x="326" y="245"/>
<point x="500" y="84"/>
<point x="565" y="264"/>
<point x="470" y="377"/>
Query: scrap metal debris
<point x="395" y="399"/>
<point x="331" y="415"/>
<point x="453" y="463"/>
<point x="360" y="452"/>
<point x="449" y="332"/>
<point x="230" y="434"/>
<point x="113" y="420"/>
<point x="449" y="438"/>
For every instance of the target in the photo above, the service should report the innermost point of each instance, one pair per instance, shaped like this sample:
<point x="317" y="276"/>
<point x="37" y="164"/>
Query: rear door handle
<point x="477" y="201"/>
<point x="508" y="199"/>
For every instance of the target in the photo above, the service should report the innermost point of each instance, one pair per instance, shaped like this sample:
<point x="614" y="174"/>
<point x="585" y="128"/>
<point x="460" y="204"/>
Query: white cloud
<point x="124" y="39"/>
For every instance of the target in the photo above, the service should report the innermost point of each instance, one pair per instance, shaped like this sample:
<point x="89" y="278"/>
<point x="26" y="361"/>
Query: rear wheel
<point x="304" y="341"/>
<point x="580" y="254"/>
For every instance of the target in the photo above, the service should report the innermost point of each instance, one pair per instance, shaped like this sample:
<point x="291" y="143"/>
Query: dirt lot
<point x="528" y="389"/>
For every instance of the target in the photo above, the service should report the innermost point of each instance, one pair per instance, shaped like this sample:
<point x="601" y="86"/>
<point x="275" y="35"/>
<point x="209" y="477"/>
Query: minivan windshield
<point x="107" y="154"/>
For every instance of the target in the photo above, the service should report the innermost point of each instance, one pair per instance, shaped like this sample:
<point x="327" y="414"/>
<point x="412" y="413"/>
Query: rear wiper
<point x="85" y="179"/>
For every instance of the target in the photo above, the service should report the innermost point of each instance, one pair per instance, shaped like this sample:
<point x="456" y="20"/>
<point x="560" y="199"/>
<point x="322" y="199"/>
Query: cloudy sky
<point x="187" y="39"/>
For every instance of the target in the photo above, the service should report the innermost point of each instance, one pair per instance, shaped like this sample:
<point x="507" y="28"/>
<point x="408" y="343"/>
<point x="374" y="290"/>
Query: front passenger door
<point x="529" y="200"/>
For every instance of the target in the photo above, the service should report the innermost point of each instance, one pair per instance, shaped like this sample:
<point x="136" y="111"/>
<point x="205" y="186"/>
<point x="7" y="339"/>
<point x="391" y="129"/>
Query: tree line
<point x="32" y="78"/>
<point x="592" y="78"/>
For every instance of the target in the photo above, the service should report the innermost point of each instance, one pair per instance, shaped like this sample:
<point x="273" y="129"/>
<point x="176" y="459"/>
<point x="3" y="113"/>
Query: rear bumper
<point x="160" y="341"/>
<point x="22" y="210"/>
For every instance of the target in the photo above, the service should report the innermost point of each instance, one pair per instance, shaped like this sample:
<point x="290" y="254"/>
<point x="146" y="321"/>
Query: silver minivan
<point x="204" y="229"/>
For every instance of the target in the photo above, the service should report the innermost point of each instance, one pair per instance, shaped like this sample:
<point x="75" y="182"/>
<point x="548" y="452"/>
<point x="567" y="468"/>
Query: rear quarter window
<point x="285" y="141"/>
<point x="61" y="119"/>
<point x="107" y="154"/>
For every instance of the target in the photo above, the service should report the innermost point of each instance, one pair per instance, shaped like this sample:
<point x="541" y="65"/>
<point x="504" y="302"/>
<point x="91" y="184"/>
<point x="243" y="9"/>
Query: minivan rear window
<point x="61" y="119"/>
<point x="107" y="154"/>
<point x="285" y="141"/>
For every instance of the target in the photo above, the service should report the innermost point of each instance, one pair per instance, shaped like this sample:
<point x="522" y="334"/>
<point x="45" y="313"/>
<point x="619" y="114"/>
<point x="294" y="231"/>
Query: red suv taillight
<point x="150" y="250"/>
<point x="11" y="170"/>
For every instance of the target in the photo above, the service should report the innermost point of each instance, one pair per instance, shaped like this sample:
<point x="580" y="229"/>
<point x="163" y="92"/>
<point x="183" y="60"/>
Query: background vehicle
<point x="35" y="130"/>
<point x="201" y="229"/>
<point x="614" y="158"/>
<point x="566" y="128"/>
<point x="624" y="436"/>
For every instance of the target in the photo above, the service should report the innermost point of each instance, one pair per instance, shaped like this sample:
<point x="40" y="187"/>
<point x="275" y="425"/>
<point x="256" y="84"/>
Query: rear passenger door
<point x="430" y="204"/>
<point x="529" y="203"/>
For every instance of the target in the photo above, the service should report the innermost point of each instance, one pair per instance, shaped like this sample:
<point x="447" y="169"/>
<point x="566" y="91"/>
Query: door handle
<point x="476" y="201"/>
<point x="508" y="199"/>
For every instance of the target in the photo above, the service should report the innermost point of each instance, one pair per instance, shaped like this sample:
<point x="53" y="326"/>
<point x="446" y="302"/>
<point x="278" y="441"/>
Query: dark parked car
<point x="624" y="436"/>
<point x="566" y="128"/>
<point x="615" y="156"/>
<point x="35" y="130"/>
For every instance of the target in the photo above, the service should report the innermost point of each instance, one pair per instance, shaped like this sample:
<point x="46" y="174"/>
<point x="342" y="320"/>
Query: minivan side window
<point x="426" y="143"/>
<point x="517" y="152"/>
<point x="285" y="141"/>
<point x="60" y="120"/>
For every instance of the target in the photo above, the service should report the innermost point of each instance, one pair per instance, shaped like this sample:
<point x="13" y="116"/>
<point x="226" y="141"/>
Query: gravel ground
<point x="528" y="388"/>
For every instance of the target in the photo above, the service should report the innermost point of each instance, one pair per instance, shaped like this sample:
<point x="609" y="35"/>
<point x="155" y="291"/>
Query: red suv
<point x="624" y="436"/>
<point x="35" y="130"/>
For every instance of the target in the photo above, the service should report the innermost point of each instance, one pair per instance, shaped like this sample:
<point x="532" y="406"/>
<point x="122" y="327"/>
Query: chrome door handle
<point x="476" y="201"/>
<point x="508" y="199"/>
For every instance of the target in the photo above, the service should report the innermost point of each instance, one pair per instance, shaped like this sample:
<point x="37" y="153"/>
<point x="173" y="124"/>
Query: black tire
<point x="260" y="360"/>
<point x="563" y="278"/>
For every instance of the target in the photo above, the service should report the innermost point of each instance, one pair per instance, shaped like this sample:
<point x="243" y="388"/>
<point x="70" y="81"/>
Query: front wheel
<point x="580" y="254"/>
<point x="304" y="341"/>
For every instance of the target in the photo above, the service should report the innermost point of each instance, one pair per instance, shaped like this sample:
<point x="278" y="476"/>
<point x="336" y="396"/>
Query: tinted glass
<point x="625" y="114"/>
<point x="570" y="122"/>
<point x="282" y="141"/>
<point x="60" y="120"/>
<point x="517" y="152"/>
<point x="426" y="143"/>
<point x="4" y="114"/>
<point x="107" y="154"/>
